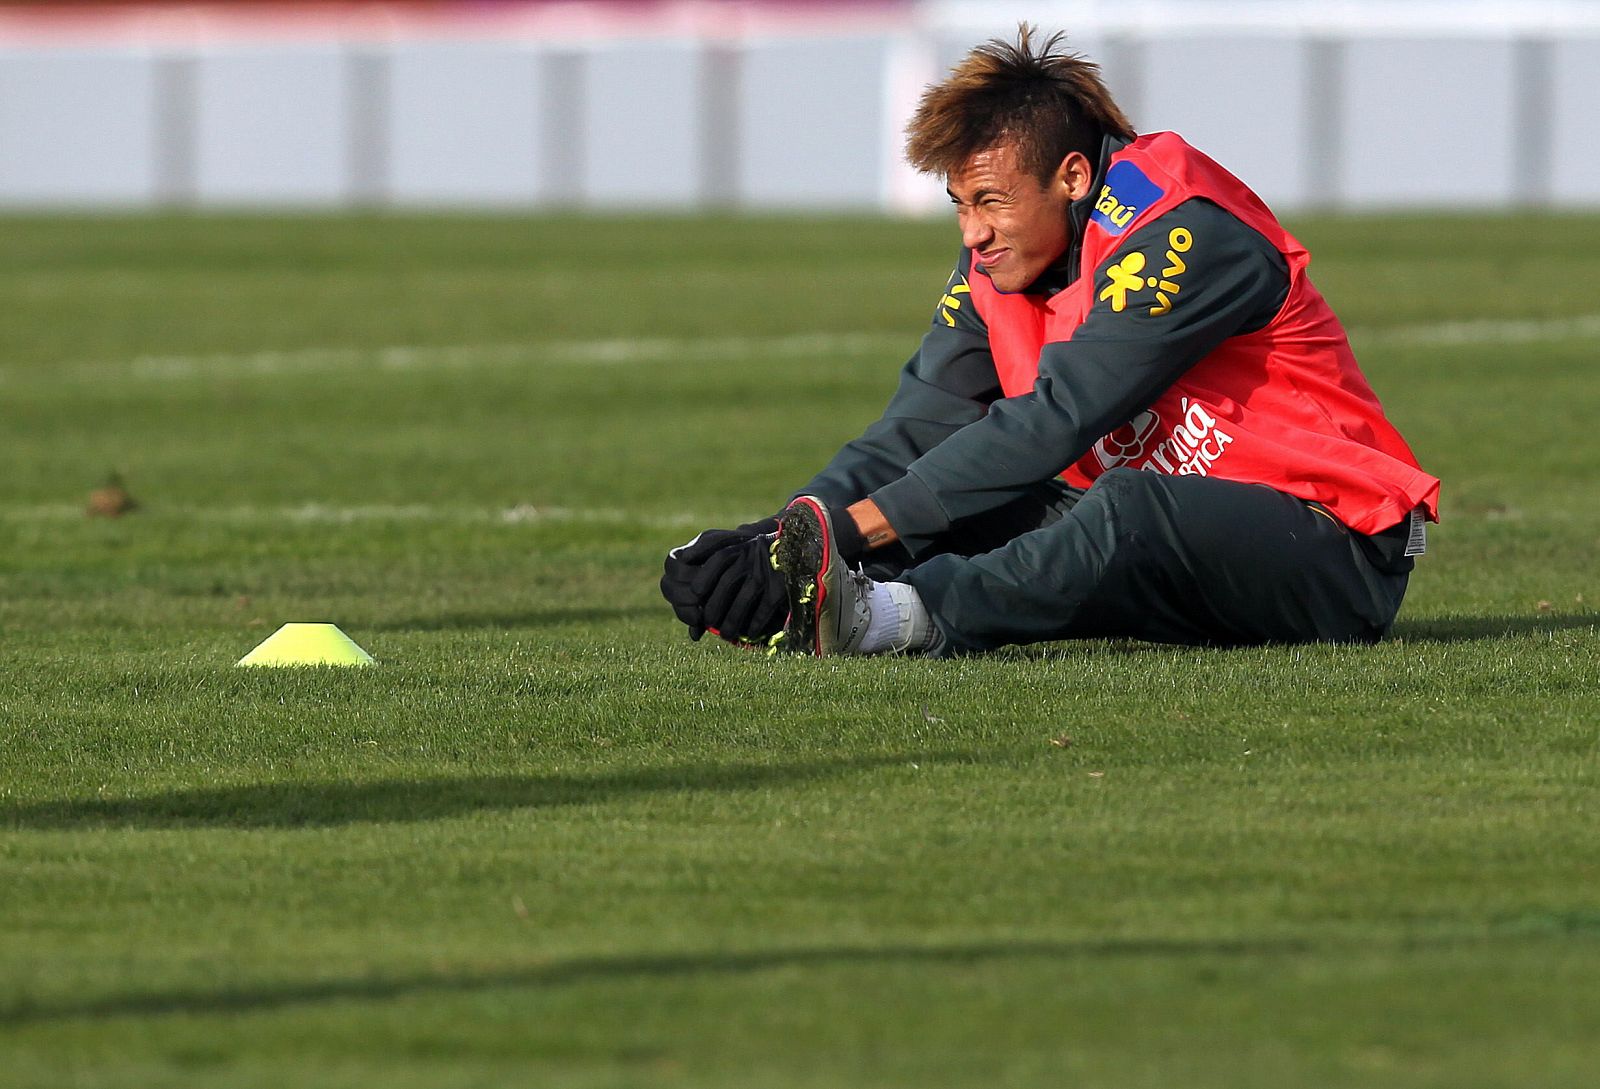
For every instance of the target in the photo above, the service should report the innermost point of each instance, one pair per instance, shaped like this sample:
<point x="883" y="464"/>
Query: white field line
<point x="1448" y="334"/>
<point x="333" y="514"/>
<point x="636" y="350"/>
<point x="613" y="351"/>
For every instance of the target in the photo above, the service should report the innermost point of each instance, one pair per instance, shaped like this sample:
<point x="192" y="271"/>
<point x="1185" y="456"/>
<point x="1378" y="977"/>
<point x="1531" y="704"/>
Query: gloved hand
<point x="723" y="582"/>
<point x="744" y="595"/>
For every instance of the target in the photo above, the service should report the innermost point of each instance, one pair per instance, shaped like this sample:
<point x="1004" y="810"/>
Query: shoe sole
<point x="805" y="556"/>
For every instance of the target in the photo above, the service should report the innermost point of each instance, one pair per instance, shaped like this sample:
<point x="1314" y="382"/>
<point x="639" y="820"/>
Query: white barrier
<point x="702" y="103"/>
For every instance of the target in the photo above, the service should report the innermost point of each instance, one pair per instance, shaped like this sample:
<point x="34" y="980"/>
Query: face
<point x="1015" y="226"/>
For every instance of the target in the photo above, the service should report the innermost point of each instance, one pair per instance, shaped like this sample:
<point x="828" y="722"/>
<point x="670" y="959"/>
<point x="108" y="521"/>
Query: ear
<point x="1076" y="174"/>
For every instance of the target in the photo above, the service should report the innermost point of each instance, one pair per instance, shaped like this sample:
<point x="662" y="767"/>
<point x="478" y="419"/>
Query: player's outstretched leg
<point x="834" y="610"/>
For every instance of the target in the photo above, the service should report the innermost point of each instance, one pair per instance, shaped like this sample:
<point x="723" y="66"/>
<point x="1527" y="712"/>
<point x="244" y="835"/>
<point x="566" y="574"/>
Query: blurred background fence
<point x="765" y="105"/>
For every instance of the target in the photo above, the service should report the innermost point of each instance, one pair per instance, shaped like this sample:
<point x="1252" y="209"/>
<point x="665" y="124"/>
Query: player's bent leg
<point x="1171" y="559"/>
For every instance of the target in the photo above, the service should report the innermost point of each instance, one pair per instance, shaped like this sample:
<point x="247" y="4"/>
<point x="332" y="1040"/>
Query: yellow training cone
<point x="307" y="644"/>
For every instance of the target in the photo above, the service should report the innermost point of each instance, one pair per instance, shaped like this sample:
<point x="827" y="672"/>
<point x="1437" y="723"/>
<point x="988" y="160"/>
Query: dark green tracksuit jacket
<point x="1002" y="551"/>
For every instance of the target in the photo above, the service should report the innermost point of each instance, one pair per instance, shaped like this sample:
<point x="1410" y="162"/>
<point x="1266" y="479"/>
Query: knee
<point x="1128" y="494"/>
<point x="1123" y="481"/>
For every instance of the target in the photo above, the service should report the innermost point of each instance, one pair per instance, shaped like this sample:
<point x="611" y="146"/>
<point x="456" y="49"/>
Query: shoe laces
<point x="855" y="621"/>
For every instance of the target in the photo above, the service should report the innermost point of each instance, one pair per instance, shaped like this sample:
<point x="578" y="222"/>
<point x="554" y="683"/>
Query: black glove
<point x="722" y="581"/>
<point x="743" y="593"/>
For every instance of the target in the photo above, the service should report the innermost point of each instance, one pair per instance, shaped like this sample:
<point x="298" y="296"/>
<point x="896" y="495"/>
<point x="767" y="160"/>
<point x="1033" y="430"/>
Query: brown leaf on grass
<point x="1545" y="606"/>
<point x="1062" y="742"/>
<point x="110" y="500"/>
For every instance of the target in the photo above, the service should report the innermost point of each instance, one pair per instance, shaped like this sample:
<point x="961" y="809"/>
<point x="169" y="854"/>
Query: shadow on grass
<point x="519" y="618"/>
<point x="1465" y="629"/>
<point x="579" y="971"/>
<point x="301" y="805"/>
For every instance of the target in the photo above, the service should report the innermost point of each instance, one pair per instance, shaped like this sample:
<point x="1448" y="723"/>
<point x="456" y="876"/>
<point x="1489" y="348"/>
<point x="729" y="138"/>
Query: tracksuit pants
<point x="1172" y="559"/>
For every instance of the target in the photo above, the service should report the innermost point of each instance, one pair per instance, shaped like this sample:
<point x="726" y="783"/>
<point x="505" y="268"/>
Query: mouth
<point x="991" y="258"/>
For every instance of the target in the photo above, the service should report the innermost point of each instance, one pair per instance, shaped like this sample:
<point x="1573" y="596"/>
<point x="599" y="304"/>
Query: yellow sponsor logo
<point x="1125" y="280"/>
<point x="1179" y="242"/>
<point x="1128" y="277"/>
<point x="951" y="302"/>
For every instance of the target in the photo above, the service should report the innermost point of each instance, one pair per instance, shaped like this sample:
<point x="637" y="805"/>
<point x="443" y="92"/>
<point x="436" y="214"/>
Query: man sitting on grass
<point x="1133" y="416"/>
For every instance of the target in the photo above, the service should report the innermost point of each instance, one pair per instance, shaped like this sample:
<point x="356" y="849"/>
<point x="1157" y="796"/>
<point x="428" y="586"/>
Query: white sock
<point x="900" y="622"/>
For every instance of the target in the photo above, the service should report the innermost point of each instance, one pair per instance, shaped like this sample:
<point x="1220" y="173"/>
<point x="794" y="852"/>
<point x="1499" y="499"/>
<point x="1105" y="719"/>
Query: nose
<point x="975" y="230"/>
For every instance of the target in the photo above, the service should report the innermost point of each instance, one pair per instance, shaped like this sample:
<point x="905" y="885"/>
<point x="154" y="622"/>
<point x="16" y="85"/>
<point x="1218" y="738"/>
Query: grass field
<point x="549" y="841"/>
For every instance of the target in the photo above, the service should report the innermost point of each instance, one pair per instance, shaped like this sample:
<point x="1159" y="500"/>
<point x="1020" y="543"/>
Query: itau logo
<point x="1127" y="442"/>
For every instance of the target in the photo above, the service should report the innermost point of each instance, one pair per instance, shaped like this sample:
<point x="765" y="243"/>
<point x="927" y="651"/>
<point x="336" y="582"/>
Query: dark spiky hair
<point x="1048" y="101"/>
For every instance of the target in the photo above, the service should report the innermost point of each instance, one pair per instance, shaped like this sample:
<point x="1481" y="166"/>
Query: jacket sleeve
<point x="1130" y="348"/>
<point x="948" y="383"/>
